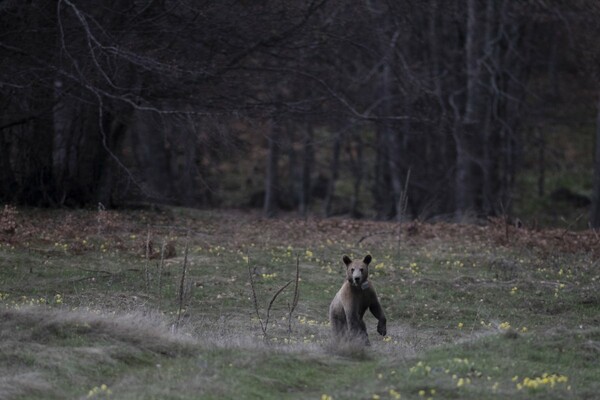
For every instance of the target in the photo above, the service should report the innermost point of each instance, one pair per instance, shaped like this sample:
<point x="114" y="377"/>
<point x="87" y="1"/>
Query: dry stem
<point x="182" y="283"/>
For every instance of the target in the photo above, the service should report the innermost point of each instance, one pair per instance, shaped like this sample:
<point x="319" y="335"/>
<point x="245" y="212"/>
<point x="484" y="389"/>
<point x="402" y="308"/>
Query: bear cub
<point x="349" y="305"/>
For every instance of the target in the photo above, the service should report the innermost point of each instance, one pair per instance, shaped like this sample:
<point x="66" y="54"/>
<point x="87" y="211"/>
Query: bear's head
<point x="357" y="272"/>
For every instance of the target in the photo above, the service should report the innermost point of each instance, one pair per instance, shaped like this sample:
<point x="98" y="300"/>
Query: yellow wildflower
<point x="544" y="380"/>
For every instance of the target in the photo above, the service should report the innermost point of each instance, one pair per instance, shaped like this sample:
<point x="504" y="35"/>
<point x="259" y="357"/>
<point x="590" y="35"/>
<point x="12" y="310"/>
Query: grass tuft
<point x="14" y="384"/>
<point x="349" y="348"/>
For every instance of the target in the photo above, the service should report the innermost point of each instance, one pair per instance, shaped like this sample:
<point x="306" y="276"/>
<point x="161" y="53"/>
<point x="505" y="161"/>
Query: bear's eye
<point x="351" y="269"/>
<point x="362" y="270"/>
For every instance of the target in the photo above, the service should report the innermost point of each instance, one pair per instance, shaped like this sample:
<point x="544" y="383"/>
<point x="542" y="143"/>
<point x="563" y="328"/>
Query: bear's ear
<point x="367" y="259"/>
<point x="347" y="260"/>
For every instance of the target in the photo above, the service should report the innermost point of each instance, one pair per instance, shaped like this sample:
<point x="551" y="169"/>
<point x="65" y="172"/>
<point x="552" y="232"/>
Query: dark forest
<point x="376" y="108"/>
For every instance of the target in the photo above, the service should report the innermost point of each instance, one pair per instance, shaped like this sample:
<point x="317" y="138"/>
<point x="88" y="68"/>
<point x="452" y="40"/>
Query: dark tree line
<point x="392" y="109"/>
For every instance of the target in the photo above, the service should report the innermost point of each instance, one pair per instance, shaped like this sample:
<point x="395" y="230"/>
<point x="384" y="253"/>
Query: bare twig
<point x="146" y="269"/>
<point x="100" y="217"/>
<point x="594" y="231"/>
<point x="404" y="196"/>
<point x="568" y="228"/>
<point x="264" y="326"/>
<point x="296" y="294"/>
<point x="254" y="298"/>
<point x="506" y="222"/>
<point x="272" y="301"/>
<point x="99" y="271"/>
<point x="402" y="206"/>
<point x="182" y="283"/>
<point x="367" y="115"/>
<point x="161" y="265"/>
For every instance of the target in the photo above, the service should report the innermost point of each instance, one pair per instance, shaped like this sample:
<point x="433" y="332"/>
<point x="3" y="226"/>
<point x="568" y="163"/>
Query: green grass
<point x="468" y="318"/>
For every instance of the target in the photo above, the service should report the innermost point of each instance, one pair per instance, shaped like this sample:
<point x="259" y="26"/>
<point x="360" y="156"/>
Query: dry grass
<point x="146" y="331"/>
<point x="14" y="384"/>
<point x="39" y="344"/>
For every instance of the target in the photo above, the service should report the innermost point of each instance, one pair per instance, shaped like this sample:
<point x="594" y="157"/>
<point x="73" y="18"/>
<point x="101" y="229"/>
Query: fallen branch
<point x="374" y="234"/>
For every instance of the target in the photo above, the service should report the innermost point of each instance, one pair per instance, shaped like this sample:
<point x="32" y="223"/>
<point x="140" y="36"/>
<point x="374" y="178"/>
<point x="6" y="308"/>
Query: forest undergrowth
<point x="160" y="304"/>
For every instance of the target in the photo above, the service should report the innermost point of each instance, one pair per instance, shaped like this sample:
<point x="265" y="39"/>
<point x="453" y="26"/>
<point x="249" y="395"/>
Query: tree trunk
<point x="334" y="172"/>
<point x="115" y="131"/>
<point x="388" y="183"/>
<point x="270" y="206"/>
<point x="542" y="162"/>
<point x="183" y="163"/>
<point x="463" y="190"/>
<point x="38" y="189"/>
<point x="466" y="190"/>
<point x="595" y="211"/>
<point x="394" y="142"/>
<point x="67" y="114"/>
<point x="488" y="165"/>
<point x="356" y="163"/>
<point x="381" y="183"/>
<point x="307" y="160"/>
<point x="7" y="177"/>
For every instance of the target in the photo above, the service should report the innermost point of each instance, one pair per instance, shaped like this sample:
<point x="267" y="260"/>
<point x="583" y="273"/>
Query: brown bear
<point x="351" y="302"/>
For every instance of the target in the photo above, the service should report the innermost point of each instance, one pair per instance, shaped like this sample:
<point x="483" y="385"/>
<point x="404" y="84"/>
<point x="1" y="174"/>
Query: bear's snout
<point x="357" y="277"/>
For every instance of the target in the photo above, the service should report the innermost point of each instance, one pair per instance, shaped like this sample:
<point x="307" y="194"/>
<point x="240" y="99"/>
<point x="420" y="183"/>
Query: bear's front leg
<point x="377" y="312"/>
<point x="381" y="326"/>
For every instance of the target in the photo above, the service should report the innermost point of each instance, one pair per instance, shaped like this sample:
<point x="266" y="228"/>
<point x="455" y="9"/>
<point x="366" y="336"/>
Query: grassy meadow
<point x="91" y="310"/>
